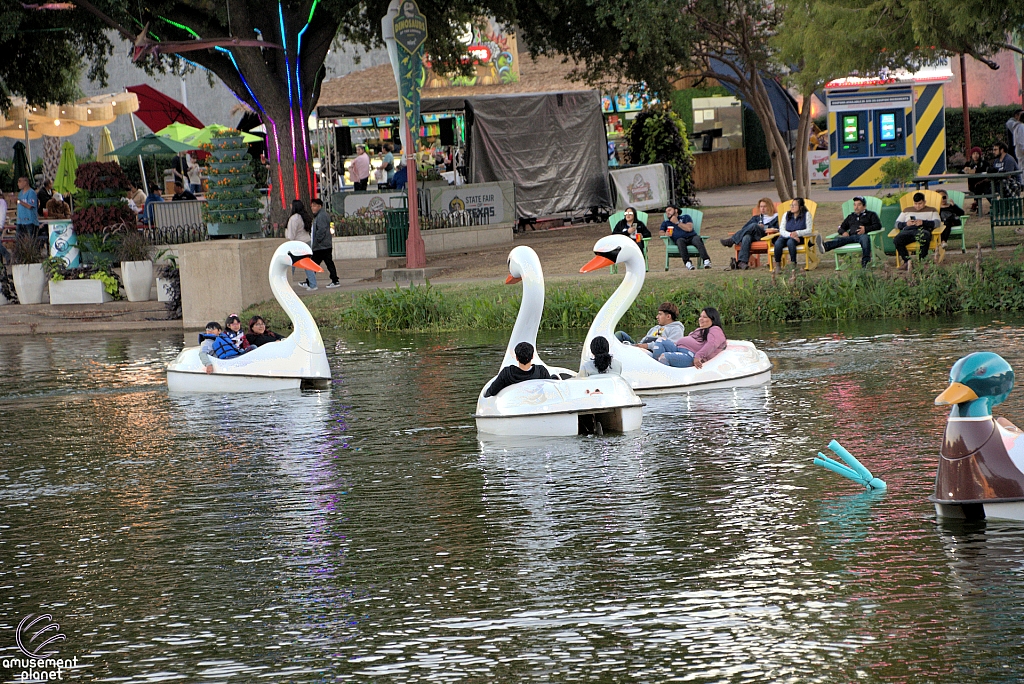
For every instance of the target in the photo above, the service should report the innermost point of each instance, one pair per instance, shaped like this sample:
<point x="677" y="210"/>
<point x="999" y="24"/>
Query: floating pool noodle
<point x="853" y="469"/>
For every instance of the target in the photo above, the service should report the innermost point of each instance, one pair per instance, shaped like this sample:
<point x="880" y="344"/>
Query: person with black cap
<point x="854" y="230"/>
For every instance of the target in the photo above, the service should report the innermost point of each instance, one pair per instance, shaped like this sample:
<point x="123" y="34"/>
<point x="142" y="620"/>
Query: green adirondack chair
<point x="873" y="204"/>
<point x="671" y="249"/>
<point x="641" y="216"/>
<point x="957" y="198"/>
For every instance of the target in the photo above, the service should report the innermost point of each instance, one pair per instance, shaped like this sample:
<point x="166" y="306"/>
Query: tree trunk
<point x="778" y="150"/>
<point x="803" y="134"/>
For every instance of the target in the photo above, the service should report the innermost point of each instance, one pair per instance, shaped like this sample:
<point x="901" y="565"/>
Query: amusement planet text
<point x="38" y="669"/>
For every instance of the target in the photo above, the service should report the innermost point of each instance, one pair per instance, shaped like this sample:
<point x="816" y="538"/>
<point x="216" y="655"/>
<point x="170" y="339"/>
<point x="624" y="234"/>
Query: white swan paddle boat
<point x="559" y="407"/>
<point x="740" y="364"/>
<point x="298" y="360"/>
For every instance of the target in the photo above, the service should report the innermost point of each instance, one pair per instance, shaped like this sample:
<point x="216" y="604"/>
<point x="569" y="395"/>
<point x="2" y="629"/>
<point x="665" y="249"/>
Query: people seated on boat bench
<point x="915" y="224"/>
<point x="855" y="229"/>
<point x="206" y="339"/>
<point x="259" y="334"/>
<point x="667" y="327"/>
<point x="753" y="230"/>
<point x="521" y="372"/>
<point x="632" y="227"/>
<point x="231" y="342"/>
<point x="602" y="361"/>
<point x="700" y="346"/>
<point x="679" y="229"/>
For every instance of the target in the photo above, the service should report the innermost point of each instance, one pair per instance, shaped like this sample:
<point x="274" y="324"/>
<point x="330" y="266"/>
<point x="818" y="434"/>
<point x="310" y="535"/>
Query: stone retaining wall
<point x="460" y="238"/>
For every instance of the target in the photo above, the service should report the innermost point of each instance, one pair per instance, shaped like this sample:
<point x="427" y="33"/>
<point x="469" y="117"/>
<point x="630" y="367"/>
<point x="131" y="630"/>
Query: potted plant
<point x="100" y="208"/>
<point x="136" y="267"/>
<point x="84" y="285"/>
<point x="29" y="278"/>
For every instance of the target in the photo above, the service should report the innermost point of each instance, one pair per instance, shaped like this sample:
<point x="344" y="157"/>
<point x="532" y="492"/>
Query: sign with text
<point x="484" y="201"/>
<point x="641" y="187"/>
<point x="371" y="204"/>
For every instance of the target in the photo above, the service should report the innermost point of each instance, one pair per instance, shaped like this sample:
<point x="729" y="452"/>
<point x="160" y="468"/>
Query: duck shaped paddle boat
<point x="740" y="364"/>
<point x="298" y="360"/>
<point x="562" y="406"/>
<point x="981" y="461"/>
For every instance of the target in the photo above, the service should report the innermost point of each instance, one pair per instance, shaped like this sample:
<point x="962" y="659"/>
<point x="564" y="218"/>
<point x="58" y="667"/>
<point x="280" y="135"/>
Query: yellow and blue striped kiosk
<point x="873" y="119"/>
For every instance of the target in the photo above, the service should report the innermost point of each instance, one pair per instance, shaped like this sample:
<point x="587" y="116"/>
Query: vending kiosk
<point x="873" y="119"/>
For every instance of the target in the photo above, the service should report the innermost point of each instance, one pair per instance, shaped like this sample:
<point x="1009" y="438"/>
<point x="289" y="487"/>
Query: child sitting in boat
<point x="522" y="371"/>
<point x="602" y="361"/>
<point x="231" y="342"/>
<point x="206" y="339"/>
<point x="700" y="346"/>
<point x="258" y="334"/>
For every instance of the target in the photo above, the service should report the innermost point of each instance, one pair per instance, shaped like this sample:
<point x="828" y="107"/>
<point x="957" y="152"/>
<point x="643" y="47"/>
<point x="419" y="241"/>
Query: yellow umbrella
<point x="106" y="147"/>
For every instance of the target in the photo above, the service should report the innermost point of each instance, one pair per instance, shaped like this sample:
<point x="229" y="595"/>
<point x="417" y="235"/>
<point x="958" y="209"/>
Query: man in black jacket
<point x="855" y="229"/>
<point x="522" y="371"/>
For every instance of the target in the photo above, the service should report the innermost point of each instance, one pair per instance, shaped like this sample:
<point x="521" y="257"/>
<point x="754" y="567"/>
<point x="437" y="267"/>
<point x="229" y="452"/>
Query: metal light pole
<point x="963" y="97"/>
<point x="415" y="252"/>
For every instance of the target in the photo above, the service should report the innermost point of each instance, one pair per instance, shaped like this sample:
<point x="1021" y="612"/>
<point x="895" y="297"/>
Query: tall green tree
<point x="281" y="84"/>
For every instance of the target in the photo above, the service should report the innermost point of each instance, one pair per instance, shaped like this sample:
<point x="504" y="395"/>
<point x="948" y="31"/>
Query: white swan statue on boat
<point x="740" y="364"/>
<point x="298" y="360"/>
<point x="558" y="407"/>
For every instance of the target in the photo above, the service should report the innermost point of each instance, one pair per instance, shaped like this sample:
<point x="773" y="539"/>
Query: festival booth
<point x="530" y="147"/>
<point x="871" y="120"/>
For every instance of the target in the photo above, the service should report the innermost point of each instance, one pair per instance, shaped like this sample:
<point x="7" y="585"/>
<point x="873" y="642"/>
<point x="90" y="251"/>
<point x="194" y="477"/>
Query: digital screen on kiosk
<point x="887" y="124"/>
<point x="850" y="129"/>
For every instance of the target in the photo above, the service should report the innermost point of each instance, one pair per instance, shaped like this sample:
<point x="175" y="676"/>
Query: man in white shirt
<point x="916" y="224"/>
<point x="359" y="171"/>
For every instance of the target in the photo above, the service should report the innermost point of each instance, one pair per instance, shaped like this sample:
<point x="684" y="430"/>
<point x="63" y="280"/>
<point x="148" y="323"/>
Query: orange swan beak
<point x="512" y="280"/>
<point x="596" y="263"/>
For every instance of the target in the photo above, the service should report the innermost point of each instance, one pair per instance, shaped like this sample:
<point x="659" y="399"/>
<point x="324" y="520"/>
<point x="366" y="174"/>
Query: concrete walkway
<point x="748" y="195"/>
<point x="34" y="319"/>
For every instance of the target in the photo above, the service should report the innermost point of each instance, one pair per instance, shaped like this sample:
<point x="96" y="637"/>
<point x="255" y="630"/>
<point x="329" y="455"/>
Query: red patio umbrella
<point x="158" y="111"/>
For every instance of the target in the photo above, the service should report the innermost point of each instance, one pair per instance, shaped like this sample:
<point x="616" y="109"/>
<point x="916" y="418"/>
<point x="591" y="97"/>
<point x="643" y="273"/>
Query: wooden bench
<point x="672" y="249"/>
<point x="1006" y="211"/>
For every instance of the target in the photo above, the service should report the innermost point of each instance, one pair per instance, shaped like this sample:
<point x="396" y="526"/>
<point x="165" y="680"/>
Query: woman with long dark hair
<point x="793" y="226"/>
<point x="298" y="229"/>
<point x="602" y="361"/>
<point x="631" y="226"/>
<point x="700" y="346"/>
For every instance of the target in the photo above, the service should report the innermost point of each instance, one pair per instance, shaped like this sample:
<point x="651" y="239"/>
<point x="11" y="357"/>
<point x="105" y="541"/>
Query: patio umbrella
<point x="157" y="110"/>
<point x="151" y="145"/>
<point x="106" y="148"/>
<point x="21" y="167"/>
<point x="178" y="131"/>
<point x="64" y="183"/>
<point x="208" y="133"/>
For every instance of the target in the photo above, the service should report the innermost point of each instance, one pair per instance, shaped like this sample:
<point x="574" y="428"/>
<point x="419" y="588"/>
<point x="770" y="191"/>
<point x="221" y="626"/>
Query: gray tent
<point x="551" y="145"/>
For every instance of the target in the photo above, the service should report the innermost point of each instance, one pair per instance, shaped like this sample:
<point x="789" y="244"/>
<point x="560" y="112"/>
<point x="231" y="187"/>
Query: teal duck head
<point x="977" y="382"/>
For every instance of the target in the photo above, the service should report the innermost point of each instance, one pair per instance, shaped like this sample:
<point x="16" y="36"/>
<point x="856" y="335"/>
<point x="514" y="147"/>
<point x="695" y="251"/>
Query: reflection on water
<point x="366" y="532"/>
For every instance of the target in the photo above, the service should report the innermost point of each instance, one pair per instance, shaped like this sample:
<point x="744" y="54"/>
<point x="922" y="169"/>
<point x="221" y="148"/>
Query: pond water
<point x="365" y="532"/>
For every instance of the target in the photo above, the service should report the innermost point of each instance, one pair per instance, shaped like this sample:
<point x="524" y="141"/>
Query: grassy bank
<point x="931" y="291"/>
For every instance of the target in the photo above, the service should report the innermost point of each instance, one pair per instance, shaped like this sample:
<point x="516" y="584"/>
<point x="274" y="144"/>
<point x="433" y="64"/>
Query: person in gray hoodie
<point x="321" y="240"/>
<point x="668" y="328"/>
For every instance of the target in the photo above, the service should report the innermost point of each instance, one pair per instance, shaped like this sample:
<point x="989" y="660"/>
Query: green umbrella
<point x="208" y="133"/>
<point x="178" y="131"/>
<point x="152" y="144"/>
<point x="64" y="183"/>
<point x="21" y="162"/>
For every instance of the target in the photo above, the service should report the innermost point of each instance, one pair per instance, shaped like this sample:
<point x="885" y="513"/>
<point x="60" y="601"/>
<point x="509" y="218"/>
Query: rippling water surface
<point x="366" y="533"/>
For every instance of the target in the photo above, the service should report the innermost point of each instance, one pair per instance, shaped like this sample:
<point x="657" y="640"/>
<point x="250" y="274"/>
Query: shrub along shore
<point x="931" y="291"/>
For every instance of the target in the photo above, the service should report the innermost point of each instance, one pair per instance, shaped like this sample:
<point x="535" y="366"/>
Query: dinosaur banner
<point x="405" y="32"/>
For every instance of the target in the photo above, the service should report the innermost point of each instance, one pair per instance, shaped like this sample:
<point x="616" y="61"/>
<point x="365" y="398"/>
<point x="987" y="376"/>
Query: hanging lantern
<point x="125" y="103"/>
<point x="98" y="114"/>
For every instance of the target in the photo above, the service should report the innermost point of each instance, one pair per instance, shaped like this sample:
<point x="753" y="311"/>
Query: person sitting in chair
<point x="950" y="215"/>
<point x="854" y="230"/>
<point x="754" y="229"/>
<point x="521" y="372"/>
<point x="632" y="227"/>
<point x="679" y="229"/>
<point x="915" y="224"/>
<point x="181" y="192"/>
<point x="794" y="225"/>
<point x="57" y="208"/>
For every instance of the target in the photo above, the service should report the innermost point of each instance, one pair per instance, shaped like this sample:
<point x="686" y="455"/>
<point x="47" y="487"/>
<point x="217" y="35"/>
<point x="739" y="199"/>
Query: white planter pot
<point x="137" y="277"/>
<point x="78" y="291"/>
<point x="29" y="282"/>
<point x="162" y="292"/>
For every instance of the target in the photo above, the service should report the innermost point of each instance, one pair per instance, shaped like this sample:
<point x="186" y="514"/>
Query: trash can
<point x="397" y="228"/>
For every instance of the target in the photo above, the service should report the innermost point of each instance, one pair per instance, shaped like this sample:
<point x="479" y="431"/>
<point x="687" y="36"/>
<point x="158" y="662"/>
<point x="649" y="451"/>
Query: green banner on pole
<point x="411" y="35"/>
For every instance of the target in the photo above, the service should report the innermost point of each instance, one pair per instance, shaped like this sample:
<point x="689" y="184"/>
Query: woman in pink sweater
<point x="700" y="346"/>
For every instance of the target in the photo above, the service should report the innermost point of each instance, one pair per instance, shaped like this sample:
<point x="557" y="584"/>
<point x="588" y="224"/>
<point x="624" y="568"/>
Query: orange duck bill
<point x="957" y="393"/>
<point x="596" y="263"/>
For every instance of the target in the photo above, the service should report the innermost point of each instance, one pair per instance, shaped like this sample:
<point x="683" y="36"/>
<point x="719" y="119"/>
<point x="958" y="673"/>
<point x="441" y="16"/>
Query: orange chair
<point x="757" y="247"/>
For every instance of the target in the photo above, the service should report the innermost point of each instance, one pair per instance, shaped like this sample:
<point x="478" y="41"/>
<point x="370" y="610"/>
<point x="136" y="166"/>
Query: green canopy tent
<point x="152" y="145"/>
<point x="64" y="182"/>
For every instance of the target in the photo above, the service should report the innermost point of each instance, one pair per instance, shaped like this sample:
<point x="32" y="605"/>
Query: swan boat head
<point x="524" y="267"/>
<point x="977" y="382"/>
